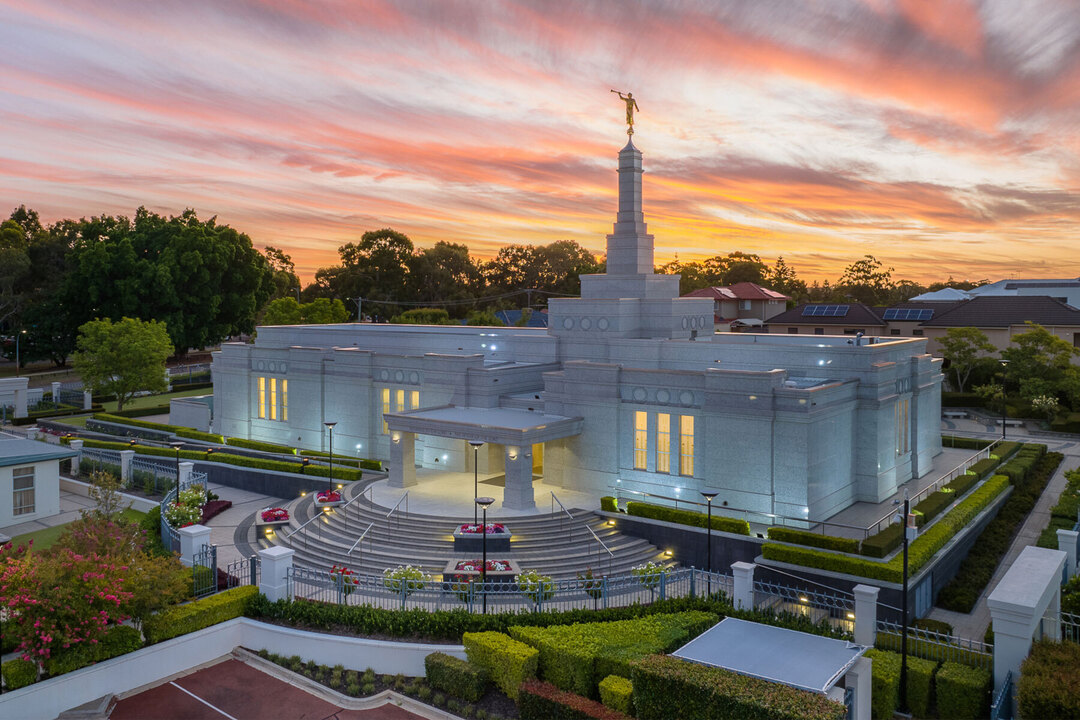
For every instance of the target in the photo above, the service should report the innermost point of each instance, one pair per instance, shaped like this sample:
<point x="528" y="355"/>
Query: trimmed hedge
<point x="1064" y="513"/>
<point x="954" y="441"/>
<point x="184" y="619"/>
<point x="1049" y="679"/>
<point x="964" y="692"/>
<point x="117" y="641"/>
<point x="932" y="505"/>
<point x="1066" y="423"/>
<point x="982" y="467"/>
<point x="19" y="673"/>
<point x="161" y="427"/>
<point x="920" y="551"/>
<point x="885" y="679"/>
<point x="687" y="517"/>
<point x="609" y="504"/>
<point x="455" y="676"/>
<point x="363" y="463"/>
<point x="668" y="688"/>
<point x="543" y="701"/>
<point x="143" y="411"/>
<point x="881" y="544"/>
<point x="962" y="399"/>
<point x="803" y="537"/>
<point x="262" y="446"/>
<point x="617" y="693"/>
<point x="508" y="662"/>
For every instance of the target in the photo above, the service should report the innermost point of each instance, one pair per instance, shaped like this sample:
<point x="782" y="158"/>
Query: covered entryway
<point x="518" y="433"/>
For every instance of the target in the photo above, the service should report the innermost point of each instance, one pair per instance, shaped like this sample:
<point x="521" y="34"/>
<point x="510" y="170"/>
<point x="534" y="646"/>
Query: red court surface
<point x="232" y="689"/>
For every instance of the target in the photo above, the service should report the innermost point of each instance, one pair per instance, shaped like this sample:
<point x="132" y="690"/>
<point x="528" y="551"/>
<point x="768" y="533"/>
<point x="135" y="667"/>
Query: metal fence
<point x="244" y="572"/>
<point x="1002" y="706"/>
<point x="501" y="595"/>
<point x="97" y="460"/>
<point x="817" y="605"/>
<point x="1069" y="626"/>
<point x="151" y="475"/>
<point x="169" y="537"/>
<point x="935" y="646"/>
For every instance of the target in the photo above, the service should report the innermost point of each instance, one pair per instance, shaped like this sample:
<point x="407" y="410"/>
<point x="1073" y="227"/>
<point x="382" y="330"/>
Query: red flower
<point x="274" y="515"/>
<point x="324" y="496"/>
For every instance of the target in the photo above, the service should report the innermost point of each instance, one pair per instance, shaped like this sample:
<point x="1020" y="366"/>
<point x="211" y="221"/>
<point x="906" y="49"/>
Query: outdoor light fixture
<point x="1004" y="407"/>
<point x="709" y="495"/>
<point x="484" y="503"/>
<point x="910" y="531"/>
<point x="476" y="444"/>
<point x="851" y="616"/>
<point x="396" y="438"/>
<point x="802" y="598"/>
<point x="176" y="446"/>
<point x="133" y="442"/>
<point x="512" y="453"/>
<point x="330" y="427"/>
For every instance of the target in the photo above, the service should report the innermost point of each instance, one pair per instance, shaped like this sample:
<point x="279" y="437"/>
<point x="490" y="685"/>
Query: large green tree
<point x="962" y="347"/>
<point x="867" y="281"/>
<point x="122" y="358"/>
<point x="1041" y="363"/>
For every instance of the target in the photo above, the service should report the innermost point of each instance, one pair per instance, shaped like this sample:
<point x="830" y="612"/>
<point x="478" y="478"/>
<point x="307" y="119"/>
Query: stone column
<point x="192" y="540"/>
<point x="276" y="562"/>
<point x="87" y="400"/>
<point x="402" y="459"/>
<point x="743" y="594"/>
<point x="858" y="678"/>
<point x="518" y="492"/>
<point x="32" y="433"/>
<point x="76" y="445"/>
<point x="1067" y="544"/>
<point x="186" y="468"/>
<point x="866" y="597"/>
<point x="56" y="392"/>
<point x="126" y="456"/>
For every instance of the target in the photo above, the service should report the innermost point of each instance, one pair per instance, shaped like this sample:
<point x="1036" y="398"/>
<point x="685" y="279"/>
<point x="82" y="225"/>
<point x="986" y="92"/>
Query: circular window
<point x="586" y="323"/>
<point x="568" y="323"/>
<point x="640" y="394"/>
<point x="662" y="396"/>
<point x="602" y="323"/>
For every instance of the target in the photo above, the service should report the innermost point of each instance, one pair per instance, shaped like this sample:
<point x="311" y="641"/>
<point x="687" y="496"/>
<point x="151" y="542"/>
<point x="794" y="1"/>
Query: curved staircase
<point x="553" y="544"/>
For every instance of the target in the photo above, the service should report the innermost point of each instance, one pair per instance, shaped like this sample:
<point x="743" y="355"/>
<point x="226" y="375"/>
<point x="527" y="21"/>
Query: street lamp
<point x="176" y="445"/>
<point x="484" y="503"/>
<point x="709" y="495"/>
<point x="1004" y="371"/>
<point x="17" y="336"/>
<point x="330" y="426"/>
<point x="908" y="523"/>
<point x="476" y="470"/>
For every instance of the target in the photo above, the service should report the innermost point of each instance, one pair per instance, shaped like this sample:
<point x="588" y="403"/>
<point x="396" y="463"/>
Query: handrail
<point x="404" y="497"/>
<point x="596" y="537"/>
<point x="362" y="536"/>
<point x="319" y="514"/>
<point x="555" y="499"/>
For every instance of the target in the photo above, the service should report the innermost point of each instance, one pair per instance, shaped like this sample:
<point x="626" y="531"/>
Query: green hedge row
<point x="33" y="417"/>
<point x="618" y="694"/>
<point x="882" y="543"/>
<point x="362" y="463"/>
<point x="963" y="591"/>
<point x="885" y="677"/>
<point x="262" y="446"/>
<point x="669" y="688"/>
<point x="920" y="551"/>
<point x="174" y="429"/>
<point x="508" y="662"/>
<point x="19" y="673"/>
<point x="184" y="619"/>
<point x="543" y="701"/>
<point x="964" y="692"/>
<point x="1066" y="423"/>
<point x="118" y="640"/>
<point x="1049" y="679"/>
<point x="1063" y="515"/>
<point x="455" y="676"/>
<point x="962" y="399"/>
<point x="803" y="537"/>
<point x="954" y="441"/>
<point x="609" y="504"/>
<point x="143" y="411"/>
<point x="686" y="517"/>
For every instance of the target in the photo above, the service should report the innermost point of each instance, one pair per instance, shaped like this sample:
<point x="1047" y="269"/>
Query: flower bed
<point x="329" y="498"/>
<point x="499" y="571"/>
<point x="273" y="516"/>
<point x="214" y="507"/>
<point x="349" y="581"/>
<point x="469" y="538"/>
<point x="478" y="529"/>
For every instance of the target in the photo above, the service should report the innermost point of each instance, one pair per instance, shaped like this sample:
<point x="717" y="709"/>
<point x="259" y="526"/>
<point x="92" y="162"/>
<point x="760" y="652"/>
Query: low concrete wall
<point x="190" y="412"/>
<point x="78" y="487"/>
<point x="153" y="664"/>
<point x="266" y="482"/>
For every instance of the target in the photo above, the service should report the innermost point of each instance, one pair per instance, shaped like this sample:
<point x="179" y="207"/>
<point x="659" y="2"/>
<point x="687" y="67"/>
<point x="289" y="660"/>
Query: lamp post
<point x="176" y="446"/>
<point x="476" y="473"/>
<point x="1004" y="407"/>
<point x="484" y="503"/>
<point x="17" y="336"/>
<point x="709" y="495"/>
<point x="908" y="523"/>
<point x="330" y="427"/>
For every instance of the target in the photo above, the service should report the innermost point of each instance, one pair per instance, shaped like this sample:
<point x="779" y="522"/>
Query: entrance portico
<point x="517" y="431"/>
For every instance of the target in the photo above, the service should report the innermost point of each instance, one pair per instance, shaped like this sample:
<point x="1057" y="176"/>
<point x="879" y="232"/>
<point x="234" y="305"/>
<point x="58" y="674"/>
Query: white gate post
<point x="865" y="614"/>
<point x="76" y="445"/>
<point x="87" y="400"/>
<point x="126" y="456"/>
<point x="193" y="539"/>
<point x="1067" y="544"/>
<point x="276" y="563"/>
<point x="186" y="468"/>
<point x="56" y="393"/>
<point x="743" y="574"/>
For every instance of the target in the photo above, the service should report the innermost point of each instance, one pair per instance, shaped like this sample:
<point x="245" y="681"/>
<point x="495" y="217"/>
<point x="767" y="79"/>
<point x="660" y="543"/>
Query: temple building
<point x="628" y="387"/>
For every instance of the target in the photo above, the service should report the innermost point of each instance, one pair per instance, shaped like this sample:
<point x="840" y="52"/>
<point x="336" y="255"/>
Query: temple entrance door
<point x="538" y="458"/>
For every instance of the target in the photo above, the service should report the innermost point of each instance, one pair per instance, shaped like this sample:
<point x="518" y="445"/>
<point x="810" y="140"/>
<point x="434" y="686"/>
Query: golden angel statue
<point x="631" y="106"/>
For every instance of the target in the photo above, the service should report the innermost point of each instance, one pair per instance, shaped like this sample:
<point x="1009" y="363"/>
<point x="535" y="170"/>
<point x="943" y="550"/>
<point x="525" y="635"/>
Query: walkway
<point x="973" y="625"/>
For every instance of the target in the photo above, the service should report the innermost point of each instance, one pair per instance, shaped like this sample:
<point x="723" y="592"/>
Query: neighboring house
<point x="742" y="305"/>
<point x="1001" y="317"/>
<point x="1067" y="291"/>
<point x="29" y="479"/>
<point x="829" y="319"/>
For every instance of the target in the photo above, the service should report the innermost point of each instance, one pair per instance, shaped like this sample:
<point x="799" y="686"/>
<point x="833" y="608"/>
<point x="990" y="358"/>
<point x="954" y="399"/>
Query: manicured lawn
<point x="76" y="421"/>
<point x="152" y="400"/>
<point x="46" y="537"/>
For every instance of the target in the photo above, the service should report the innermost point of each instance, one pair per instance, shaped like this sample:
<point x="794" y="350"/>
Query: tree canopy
<point x="962" y="347"/>
<point x="123" y="358"/>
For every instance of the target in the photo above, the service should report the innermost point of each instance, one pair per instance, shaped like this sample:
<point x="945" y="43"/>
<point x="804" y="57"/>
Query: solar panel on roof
<point x="916" y="314"/>
<point x="825" y="310"/>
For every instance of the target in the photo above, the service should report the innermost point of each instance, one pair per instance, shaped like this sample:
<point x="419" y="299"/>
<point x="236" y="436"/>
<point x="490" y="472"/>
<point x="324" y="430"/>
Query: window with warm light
<point x="414" y="399"/>
<point x="903" y="426"/>
<point x="641" y="439"/>
<point x="686" y="444"/>
<point x="273" y="398"/>
<point x="663" y="443"/>
<point x="400" y="397"/>
<point x="385" y="408"/>
<point x="285" y="400"/>
<point x="262" y="398"/>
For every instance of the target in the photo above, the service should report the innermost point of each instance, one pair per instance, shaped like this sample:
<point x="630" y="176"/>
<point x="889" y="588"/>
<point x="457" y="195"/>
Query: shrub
<point x="507" y="661"/>
<point x="803" y="537"/>
<point x="964" y="692"/>
<point x="455" y="676"/>
<point x="118" y="640"/>
<point x="609" y="504"/>
<point x="618" y="694"/>
<point x="963" y="442"/>
<point x="687" y="517"/>
<point x="197" y="615"/>
<point x="961" y="399"/>
<point x="983" y="467"/>
<point x="161" y="427"/>
<point x="932" y="505"/>
<point x="668" y="688"/>
<point x="543" y="701"/>
<point x="882" y="543"/>
<point x="19" y="673"/>
<point x="259" y="445"/>
<point x="962" y="484"/>
<point x="885" y="679"/>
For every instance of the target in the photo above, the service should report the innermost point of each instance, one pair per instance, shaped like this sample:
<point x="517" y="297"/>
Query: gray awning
<point x="803" y="661"/>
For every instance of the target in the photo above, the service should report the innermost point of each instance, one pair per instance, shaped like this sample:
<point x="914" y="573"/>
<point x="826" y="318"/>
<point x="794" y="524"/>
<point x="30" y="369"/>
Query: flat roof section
<point x="495" y="425"/>
<point x="793" y="658"/>
<point x="14" y="451"/>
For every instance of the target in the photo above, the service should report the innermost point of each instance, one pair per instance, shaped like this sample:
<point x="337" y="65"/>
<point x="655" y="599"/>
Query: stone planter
<point x="451" y="573"/>
<point x="330" y="503"/>
<point x="260" y="523"/>
<point x="473" y="543"/>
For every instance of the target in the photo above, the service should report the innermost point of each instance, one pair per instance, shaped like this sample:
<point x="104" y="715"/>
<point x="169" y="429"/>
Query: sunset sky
<point x="942" y="136"/>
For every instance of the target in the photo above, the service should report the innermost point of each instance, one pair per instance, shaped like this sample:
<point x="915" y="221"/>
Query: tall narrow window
<point x="285" y="400"/>
<point x="686" y="444"/>
<point x="903" y="408"/>
<point x="385" y="408"/>
<point x="262" y="398"/>
<point x="641" y="439"/>
<point x="414" y="399"/>
<point x="663" y="443"/>
<point x="400" y="397"/>
<point x="22" y="499"/>
<point x="273" y="398"/>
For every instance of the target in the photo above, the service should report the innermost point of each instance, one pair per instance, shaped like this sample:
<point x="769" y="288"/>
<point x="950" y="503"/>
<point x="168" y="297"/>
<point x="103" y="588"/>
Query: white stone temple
<point x="628" y="388"/>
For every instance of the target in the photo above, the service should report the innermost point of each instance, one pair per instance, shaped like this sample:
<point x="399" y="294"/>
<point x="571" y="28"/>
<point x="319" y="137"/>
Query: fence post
<point x="192" y="540"/>
<point x="276" y="563"/>
<point x="866" y="597"/>
<point x="126" y="457"/>
<point x="87" y="400"/>
<point x="604" y="591"/>
<point x="186" y="468"/>
<point x="663" y="584"/>
<point x="56" y="393"/>
<point x="1067" y="544"/>
<point x="76" y="445"/>
<point x="743" y="574"/>
<point x="253" y="566"/>
<point x="693" y="574"/>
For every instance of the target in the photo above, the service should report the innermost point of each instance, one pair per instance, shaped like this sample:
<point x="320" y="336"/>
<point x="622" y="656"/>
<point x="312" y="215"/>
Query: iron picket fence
<point x="204" y="571"/>
<point x="935" y="646"/>
<point x="1068" y="626"/>
<point x="97" y="460"/>
<point x="169" y="536"/>
<point x="1002" y="706"/>
<point x="247" y="571"/>
<point x="818" y="605"/>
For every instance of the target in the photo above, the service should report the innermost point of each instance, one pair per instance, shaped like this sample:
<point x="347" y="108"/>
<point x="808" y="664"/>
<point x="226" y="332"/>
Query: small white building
<point x="29" y="479"/>
<point x="628" y="387"/>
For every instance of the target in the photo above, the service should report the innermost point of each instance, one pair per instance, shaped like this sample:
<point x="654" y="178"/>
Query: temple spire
<point x="629" y="246"/>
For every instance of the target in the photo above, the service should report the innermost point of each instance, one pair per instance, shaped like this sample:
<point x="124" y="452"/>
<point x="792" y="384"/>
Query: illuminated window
<point x="400" y="397"/>
<point x="273" y="398"/>
<point x="903" y="408"/>
<point x="641" y="439"/>
<point x="285" y="400"/>
<point x="262" y="398"/>
<point x="663" y="443"/>
<point x="22" y="499"/>
<point x="385" y="408"/>
<point x="414" y="399"/>
<point x="686" y="444"/>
